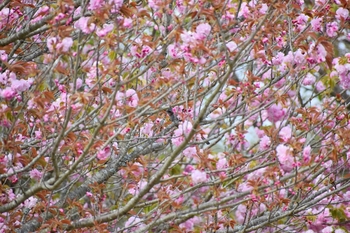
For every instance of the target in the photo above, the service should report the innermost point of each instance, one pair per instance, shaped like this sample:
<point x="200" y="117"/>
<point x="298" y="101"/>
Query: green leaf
<point x="176" y="170"/>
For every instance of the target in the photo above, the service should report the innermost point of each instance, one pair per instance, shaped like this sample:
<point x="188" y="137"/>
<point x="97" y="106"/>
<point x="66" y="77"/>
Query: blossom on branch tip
<point x="285" y="157"/>
<point x="198" y="176"/>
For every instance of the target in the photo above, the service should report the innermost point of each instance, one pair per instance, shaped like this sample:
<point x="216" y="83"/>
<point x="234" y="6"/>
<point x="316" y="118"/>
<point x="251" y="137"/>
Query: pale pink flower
<point x="278" y="59"/>
<point x="132" y="98"/>
<point x="190" y="152"/>
<point x="241" y="213"/>
<point x="339" y="231"/>
<point x="104" y="153"/>
<point x="198" y="176"/>
<point x="190" y="224"/>
<point x="136" y="189"/>
<point x="51" y="43"/>
<point x="328" y="229"/>
<point x="265" y="143"/>
<point x="30" y="202"/>
<point x="275" y="113"/>
<point x="309" y="79"/>
<point x="3" y="55"/>
<point x="285" y="133"/>
<point x="221" y="164"/>
<point x="154" y="4"/>
<point x="7" y="93"/>
<point x="127" y="22"/>
<point x="285" y="157"/>
<point x="66" y="44"/>
<point x="20" y="85"/>
<point x="263" y="8"/>
<point x="331" y="29"/>
<point x="188" y="37"/>
<point x="299" y="56"/>
<point x="173" y="51"/>
<point x="232" y="46"/>
<point x="36" y="174"/>
<point x="307" y="154"/>
<point x="107" y="28"/>
<point x="134" y="222"/>
<point x="316" y="24"/>
<point x="202" y="31"/>
<point x="96" y="4"/>
<point x="89" y="194"/>
<point x="320" y="87"/>
<point x="342" y="13"/>
<point x="320" y="2"/>
<point x="83" y="25"/>
<point x="120" y="98"/>
<point x="147" y="129"/>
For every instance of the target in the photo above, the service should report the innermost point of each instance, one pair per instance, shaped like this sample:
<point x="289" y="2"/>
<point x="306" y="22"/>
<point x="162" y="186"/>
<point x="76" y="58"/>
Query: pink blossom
<point x="127" y="22"/>
<point x="241" y="213"/>
<point x="309" y="79"/>
<point x="244" y="11"/>
<point x="154" y="4"/>
<point x="147" y="129"/>
<point x="51" y="43"/>
<point x="331" y="29"/>
<point x="339" y="231"/>
<point x="190" y="224"/>
<point x="30" y="202"/>
<point x="285" y="157"/>
<point x="173" y="51"/>
<point x="307" y="154"/>
<point x="89" y="194"/>
<point x="299" y="56"/>
<point x="82" y="24"/>
<point x="320" y="2"/>
<point x="3" y="55"/>
<point x="107" y="28"/>
<point x="96" y="4"/>
<point x="301" y="21"/>
<point x="7" y="93"/>
<point x="285" y="133"/>
<point x="104" y="153"/>
<point x="136" y="188"/>
<point x="263" y="8"/>
<point x="316" y="24"/>
<point x="320" y="87"/>
<point x="345" y="80"/>
<point x="116" y="5"/>
<point x="198" y="176"/>
<point x="134" y="222"/>
<point x="265" y="143"/>
<point x="35" y="174"/>
<point x="66" y="44"/>
<point x="202" y="31"/>
<point x="278" y="59"/>
<point x="221" y="164"/>
<point x="3" y="78"/>
<point x="342" y="13"/>
<point x="20" y="85"/>
<point x="232" y="46"/>
<point x="79" y="83"/>
<point x="131" y="98"/>
<point x="190" y="152"/>
<point x="188" y="37"/>
<point x="120" y="98"/>
<point x="328" y="229"/>
<point x="275" y="113"/>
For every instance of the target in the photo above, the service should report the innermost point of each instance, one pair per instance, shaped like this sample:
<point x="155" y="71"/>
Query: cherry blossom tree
<point x="174" y="116"/>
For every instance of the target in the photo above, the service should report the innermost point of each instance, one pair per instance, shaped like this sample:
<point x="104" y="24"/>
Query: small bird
<point x="172" y="116"/>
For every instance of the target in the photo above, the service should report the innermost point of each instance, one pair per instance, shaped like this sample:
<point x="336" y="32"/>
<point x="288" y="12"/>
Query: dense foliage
<point x="174" y="116"/>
